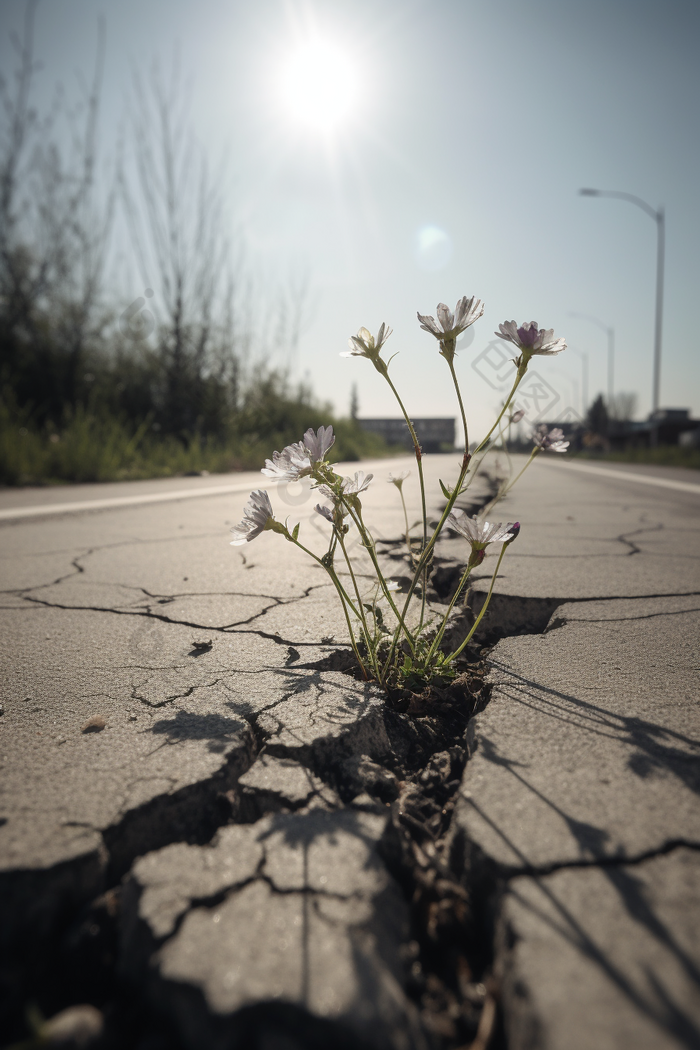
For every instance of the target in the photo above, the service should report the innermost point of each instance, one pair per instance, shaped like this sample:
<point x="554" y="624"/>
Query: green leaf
<point x="295" y="533"/>
<point x="445" y="491"/>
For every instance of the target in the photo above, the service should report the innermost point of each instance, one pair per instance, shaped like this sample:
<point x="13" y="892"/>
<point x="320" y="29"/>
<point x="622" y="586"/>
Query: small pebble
<point x="132" y="716"/>
<point x="28" y="699"/>
<point x="94" y="725"/>
<point x="60" y="740"/>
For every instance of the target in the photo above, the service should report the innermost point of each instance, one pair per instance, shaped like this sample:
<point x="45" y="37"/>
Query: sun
<point x="319" y="85"/>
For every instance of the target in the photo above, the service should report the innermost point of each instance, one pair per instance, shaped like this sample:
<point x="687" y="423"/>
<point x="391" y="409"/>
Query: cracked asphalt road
<point x="580" y="798"/>
<point x="578" y="806"/>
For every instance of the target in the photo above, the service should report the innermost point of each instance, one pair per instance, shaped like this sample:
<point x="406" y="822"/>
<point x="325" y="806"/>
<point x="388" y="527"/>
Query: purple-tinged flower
<point x="481" y="533"/>
<point x="318" y="444"/>
<point x="292" y="463"/>
<point x="517" y="416"/>
<point x="334" y="514"/>
<point x="398" y="479"/>
<point x="530" y="339"/>
<point x="365" y="345"/>
<point x="256" y="515"/>
<point x="451" y="325"/>
<point x="325" y="512"/>
<point x="551" y="441"/>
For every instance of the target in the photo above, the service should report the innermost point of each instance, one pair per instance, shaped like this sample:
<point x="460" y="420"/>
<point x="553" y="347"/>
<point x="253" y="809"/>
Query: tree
<point x="54" y="229"/>
<point x="597" y="418"/>
<point x="212" y="334"/>
<point x="623" y="407"/>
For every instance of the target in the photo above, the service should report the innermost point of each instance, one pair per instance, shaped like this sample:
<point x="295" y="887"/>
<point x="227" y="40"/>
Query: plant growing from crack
<point x="397" y="640"/>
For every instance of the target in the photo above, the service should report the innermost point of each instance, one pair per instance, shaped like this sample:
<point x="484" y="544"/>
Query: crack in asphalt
<point x="149" y="614"/>
<point x="618" y="860"/>
<point x="633" y="548"/>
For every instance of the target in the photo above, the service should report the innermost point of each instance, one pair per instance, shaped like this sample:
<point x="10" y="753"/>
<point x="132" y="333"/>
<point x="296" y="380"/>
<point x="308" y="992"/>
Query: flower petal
<point x="445" y="317"/>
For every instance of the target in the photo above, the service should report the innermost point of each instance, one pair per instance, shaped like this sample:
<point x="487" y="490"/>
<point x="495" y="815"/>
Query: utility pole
<point x="659" y="218"/>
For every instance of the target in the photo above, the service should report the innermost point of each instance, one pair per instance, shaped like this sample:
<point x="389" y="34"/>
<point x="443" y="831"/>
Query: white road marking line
<point x="119" y="501"/>
<point x="44" y="509"/>
<point x="625" y="475"/>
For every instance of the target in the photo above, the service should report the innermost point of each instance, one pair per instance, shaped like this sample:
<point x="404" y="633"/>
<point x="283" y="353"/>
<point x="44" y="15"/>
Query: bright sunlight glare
<point x="319" y="85"/>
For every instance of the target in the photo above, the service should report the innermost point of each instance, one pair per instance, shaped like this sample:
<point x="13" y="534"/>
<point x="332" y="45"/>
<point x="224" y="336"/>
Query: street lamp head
<point x="589" y="193"/>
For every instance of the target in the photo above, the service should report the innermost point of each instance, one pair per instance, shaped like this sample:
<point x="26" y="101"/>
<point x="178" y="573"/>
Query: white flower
<point x="552" y="441"/>
<point x="326" y="491"/>
<point x="296" y="460"/>
<point x="467" y="311"/>
<point x="349" y="486"/>
<point x="530" y="339"/>
<point x="365" y="345"/>
<point x="357" y="483"/>
<point x="318" y="444"/>
<point x="256" y="515"/>
<point x="292" y="463"/>
<point x="398" y="479"/>
<point x="481" y="533"/>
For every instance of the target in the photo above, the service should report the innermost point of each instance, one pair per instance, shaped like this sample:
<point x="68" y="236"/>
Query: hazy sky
<point x="454" y="171"/>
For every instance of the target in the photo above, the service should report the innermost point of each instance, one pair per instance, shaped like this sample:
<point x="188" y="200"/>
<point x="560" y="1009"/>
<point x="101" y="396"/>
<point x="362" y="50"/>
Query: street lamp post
<point x="659" y="219"/>
<point x="610" y="332"/>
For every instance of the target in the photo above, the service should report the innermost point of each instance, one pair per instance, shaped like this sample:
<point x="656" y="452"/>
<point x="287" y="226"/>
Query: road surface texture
<point x="214" y="833"/>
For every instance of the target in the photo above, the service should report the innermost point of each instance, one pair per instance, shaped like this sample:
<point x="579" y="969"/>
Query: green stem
<point x="417" y="450"/>
<point x="522" y="369"/>
<point x="503" y="488"/>
<point x="405" y="518"/>
<point x="484" y="607"/>
<point x="369" y="546"/>
<point x="363" y="618"/>
<point x="423" y="560"/>
<point x="331" y="572"/>
<point x="324" y="566"/>
<point x="341" y="593"/>
<point x="443" y="625"/>
<point x="427" y="551"/>
<point x="517" y="477"/>
<point x="461" y="404"/>
<point x="505" y="438"/>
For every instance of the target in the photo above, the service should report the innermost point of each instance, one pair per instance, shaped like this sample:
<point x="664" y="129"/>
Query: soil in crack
<point x="449" y="954"/>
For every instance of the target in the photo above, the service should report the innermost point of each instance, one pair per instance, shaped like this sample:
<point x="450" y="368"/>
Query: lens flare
<point x="433" y="248"/>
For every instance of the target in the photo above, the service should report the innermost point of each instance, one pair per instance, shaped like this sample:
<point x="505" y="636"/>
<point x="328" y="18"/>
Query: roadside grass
<point x="663" y="456"/>
<point x="90" y="447"/>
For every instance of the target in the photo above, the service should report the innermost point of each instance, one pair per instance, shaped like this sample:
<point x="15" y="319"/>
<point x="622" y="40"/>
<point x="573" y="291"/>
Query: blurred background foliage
<point x="194" y="377"/>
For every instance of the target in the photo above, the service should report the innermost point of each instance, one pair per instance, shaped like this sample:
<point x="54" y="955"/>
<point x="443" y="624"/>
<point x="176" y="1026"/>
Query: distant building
<point x="435" y="435"/>
<point x="667" y="426"/>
